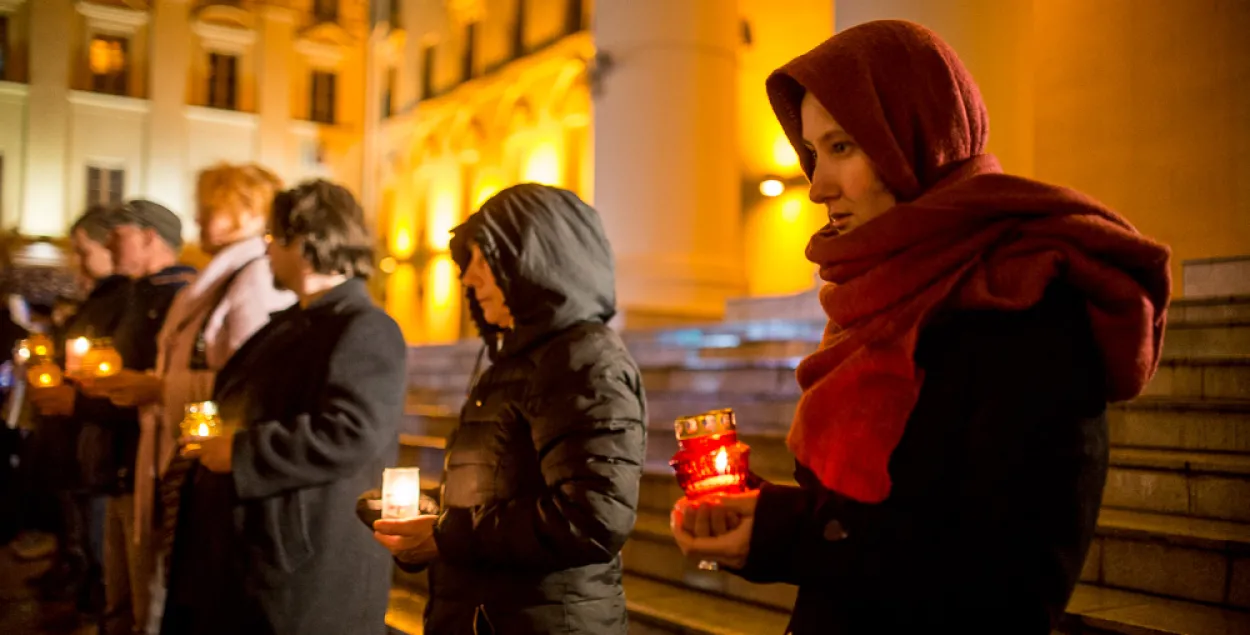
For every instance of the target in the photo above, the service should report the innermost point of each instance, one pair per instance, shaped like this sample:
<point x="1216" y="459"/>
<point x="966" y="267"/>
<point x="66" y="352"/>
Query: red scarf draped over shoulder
<point x="963" y="236"/>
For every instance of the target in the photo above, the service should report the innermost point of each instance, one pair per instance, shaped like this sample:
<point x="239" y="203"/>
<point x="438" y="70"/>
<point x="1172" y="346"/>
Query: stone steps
<point x="1182" y="424"/>
<point x="1215" y="377"/>
<point x="658" y="608"/>
<point x="1216" y="276"/>
<point x="771" y="381"/>
<point x="1194" y="484"/>
<point x="1205" y="561"/>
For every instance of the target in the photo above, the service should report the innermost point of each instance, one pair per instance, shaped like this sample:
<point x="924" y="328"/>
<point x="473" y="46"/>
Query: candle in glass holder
<point x="102" y="360"/>
<point x="200" y="421"/>
<point x="35" y="347"/>
<point x="75" y="351"/>
<point x="45" y="374"/>
<point x="710" y="459"/>
<point x="401" y="492"/>
<point x="40" y="345"/>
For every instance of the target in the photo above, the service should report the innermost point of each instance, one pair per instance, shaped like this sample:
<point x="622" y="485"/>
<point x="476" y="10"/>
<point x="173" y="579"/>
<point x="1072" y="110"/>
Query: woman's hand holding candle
<point x="56" y="401"/>
<point x="215" y="453"/>
<point x="411" y="540"/>
<point x="716" y="528"/>
<point x="129" y="388"/>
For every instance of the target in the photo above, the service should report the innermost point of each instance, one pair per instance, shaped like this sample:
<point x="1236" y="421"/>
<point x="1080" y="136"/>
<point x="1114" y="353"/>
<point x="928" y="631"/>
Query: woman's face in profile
<point x="481" y="279"/>
<point x="843" y="179"/>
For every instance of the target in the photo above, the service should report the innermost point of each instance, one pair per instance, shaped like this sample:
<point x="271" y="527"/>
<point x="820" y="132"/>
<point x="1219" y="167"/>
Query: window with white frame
<point x="105" y="185"/>
<point x="323" y="97"/>
<point x="223" y="81"/>
<point x="107" y="59"/>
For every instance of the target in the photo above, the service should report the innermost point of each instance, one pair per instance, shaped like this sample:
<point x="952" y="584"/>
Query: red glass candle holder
<point x="710" y="459"/>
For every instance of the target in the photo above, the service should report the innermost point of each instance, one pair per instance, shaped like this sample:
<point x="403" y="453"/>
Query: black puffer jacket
<point x="541" y="482"/>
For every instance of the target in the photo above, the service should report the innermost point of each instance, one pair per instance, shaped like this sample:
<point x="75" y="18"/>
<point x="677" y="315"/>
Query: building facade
<point x="110" y="99"/>
<point x="655" y="111"/>
<point x="640" y="107"/>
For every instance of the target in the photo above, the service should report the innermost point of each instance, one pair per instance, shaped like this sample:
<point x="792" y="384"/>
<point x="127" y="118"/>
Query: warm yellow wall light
<point x="542" y="164"/>
<point x="443" y="213"/>
<point x="772" y="187"/>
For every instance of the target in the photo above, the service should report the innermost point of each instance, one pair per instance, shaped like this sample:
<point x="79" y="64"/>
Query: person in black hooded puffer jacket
<point x="540" y="489"/>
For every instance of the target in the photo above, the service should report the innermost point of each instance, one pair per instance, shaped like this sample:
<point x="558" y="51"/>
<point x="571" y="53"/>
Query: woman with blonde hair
<point x="230" y="299"/>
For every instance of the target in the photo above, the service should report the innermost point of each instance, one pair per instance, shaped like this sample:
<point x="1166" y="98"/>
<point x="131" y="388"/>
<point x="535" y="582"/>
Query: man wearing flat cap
<point x="145" y="243"/>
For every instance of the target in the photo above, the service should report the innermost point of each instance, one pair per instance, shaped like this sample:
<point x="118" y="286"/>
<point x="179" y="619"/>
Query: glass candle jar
<point x="44" y="374"/>
<point x="200" y="421"/>
<point x="710" y="459"/>
<point x="401" y="492"/>
<point x="102" y="360"/>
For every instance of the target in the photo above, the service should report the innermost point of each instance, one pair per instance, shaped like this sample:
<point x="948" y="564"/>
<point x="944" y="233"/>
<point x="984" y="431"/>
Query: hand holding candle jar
<point x="101" y="359"/>
<point x="710" y="459"/>
<point x="44" y="374"/>
<point x="200" y="422"/>
<point x="34" y="348"/>
<point x="401" y="492"/>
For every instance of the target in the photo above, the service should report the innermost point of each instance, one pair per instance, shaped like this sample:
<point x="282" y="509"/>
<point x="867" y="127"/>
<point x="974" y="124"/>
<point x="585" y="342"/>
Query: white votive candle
<point x="401" y="492"/>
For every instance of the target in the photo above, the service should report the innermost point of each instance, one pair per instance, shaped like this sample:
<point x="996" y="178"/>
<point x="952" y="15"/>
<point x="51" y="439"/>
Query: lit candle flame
<point x="41" y="350"/>
<point x="722" y="461"/>
<point x="82" y="346"/>
<point x="404" y="493"/>
<point x="105" y="367"/>
<point x="23" y="354"/>
<point x="45" y="379"/>
<point x="203" y="431"/>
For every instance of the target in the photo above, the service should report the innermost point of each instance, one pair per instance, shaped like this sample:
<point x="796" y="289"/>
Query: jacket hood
<point x="550" y="256"/>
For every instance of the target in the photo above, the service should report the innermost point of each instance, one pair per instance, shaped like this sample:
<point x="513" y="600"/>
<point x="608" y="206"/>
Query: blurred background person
<point x="83" y="498"/>
<point x="267" y="543"/>
<point x="221" y="308"/>
<point x="145" y="243"/>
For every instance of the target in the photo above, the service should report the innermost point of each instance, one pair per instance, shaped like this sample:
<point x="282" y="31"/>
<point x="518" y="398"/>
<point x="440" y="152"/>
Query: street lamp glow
<point x="772" y="187"/>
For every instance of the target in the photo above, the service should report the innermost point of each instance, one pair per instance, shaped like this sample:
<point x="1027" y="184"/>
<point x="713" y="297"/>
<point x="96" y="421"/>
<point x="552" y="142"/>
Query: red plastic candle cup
<point x="710" y="459"/>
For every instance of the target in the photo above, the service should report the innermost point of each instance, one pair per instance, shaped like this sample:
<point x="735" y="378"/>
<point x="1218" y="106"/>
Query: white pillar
<point x="994" y="39"/>
<point x="667" y="175"/>
<point x="277" y="36"/>
<point x="169" y="181"/>
<point x="46" y="210"/>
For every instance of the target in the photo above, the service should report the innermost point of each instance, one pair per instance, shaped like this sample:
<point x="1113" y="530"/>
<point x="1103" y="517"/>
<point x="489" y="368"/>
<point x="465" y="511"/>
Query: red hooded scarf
<point x="963" y="236"/>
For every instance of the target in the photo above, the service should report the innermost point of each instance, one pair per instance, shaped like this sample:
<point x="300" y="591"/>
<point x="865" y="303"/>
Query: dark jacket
<point x="542" y="473"/>
<point x="67" y="447"/>
<point x="274" y="547"/>
<point x="102" y="311"/>
<point x="109" y="439"/>
<point x="996" y="487"/>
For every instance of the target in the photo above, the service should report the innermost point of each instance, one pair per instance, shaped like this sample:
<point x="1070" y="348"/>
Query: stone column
<point x="45" y="211"/>
<point x="168" y="179"/>
<point x="667" y="174"/>
<point x="277" y="38"/>
<point x="995" y="40"/>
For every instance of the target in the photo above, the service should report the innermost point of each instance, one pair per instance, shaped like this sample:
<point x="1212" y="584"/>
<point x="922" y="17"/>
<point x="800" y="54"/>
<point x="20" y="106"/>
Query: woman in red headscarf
<point x="951" y="439"/>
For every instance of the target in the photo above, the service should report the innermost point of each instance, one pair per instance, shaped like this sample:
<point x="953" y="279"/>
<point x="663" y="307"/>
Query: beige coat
<point x="228" y="317"/>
